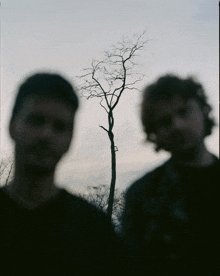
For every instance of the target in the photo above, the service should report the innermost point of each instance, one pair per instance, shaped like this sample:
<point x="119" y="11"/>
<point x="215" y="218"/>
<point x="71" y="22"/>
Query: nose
<point x="46" y="131"/>
<point x="177" y="123"/>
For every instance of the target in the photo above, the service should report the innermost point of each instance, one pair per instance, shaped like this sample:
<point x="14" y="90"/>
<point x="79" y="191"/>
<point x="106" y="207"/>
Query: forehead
<point x="165" y="107"/>
<point x="47" y="107"/>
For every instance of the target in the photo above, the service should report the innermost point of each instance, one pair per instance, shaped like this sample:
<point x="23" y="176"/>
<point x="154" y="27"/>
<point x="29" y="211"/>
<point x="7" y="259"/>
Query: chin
<point x="39" y="169"/>
<point x="184" y="154"/>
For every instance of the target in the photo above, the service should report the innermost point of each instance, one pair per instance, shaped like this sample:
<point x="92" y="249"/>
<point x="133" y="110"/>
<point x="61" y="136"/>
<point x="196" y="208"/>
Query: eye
<point x="35" y="120"/>
<point x="62" y="125"/>
<point x="59" y="126"/>
<point x="183" y="112"/>
<point x="164" y="122"/>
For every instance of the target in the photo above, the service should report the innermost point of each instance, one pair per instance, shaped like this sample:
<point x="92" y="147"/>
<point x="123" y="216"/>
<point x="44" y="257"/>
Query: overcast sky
<point x="66" y="35"/>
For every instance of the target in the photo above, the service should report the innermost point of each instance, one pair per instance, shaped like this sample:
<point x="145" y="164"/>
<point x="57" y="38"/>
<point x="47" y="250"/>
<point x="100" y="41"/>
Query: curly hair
<point x="164" y="89"/>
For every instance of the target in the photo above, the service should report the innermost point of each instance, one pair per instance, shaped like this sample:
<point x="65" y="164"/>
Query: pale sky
<point x="66" y="35"/>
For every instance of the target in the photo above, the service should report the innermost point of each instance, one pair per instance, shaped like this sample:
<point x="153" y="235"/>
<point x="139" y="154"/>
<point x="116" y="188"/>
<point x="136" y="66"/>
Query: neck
<point x="197" y="158"/>
<point x="32" y="189"/>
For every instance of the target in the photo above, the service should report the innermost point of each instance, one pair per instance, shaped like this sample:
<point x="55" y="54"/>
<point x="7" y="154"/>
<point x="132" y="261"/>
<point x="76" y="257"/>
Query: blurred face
<point x="179" y="126"/>
<point x="42" y="131"/>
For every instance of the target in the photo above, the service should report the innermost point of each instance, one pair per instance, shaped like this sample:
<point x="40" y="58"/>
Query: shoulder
<point x="214" y="169"/>
<point x="216" y="161"/>
<point x="73" y="201"/>
<point x="2" y="194"/>
<point x="77" y="202"/>
<point x="4" y="198"/>
<point x="147" y="182"/>
<point x="82" y="209"/>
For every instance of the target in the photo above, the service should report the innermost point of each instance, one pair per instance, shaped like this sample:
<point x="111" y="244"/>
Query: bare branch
<point x="104" y="128"/>
<point x="103" y="105"/>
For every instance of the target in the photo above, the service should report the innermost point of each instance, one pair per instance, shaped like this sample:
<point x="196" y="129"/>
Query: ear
<point x="206" y="110"/>
<point x="152" y="137"/>
<point x="12" y="129"/>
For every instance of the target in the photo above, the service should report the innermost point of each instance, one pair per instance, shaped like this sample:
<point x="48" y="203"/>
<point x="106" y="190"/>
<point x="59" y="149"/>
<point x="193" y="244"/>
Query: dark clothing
<point x="65" y="236"/>
<point x="172" y="220"/>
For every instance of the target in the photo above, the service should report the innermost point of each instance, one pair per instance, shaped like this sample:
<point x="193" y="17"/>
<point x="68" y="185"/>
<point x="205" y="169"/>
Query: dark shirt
<point x="65" y="236"/>
<point x="171" y="219"/>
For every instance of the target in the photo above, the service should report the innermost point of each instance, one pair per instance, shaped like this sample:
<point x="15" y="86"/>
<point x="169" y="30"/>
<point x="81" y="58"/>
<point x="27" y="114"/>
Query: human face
<point x="42" y="131"/>
<point x="179" y="126"/>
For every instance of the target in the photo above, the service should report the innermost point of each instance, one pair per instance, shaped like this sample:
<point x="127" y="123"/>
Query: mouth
<point x="177" y="143"/>
<point x="42" y="158"/>
<point x="177" y="140"/>
<point x="43" y="152"/>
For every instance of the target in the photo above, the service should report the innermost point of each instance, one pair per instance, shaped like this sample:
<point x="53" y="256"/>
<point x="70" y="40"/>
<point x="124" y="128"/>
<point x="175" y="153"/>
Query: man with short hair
<point x="44" y="229"/>
<point x="171" y="216"/>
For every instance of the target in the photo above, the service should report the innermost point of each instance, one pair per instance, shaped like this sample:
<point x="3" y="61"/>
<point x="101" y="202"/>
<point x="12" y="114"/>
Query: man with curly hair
<point x="171" y="216"/>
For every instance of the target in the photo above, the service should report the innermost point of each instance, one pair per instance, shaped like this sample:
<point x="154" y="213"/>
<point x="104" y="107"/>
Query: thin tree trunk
<point x="113" y="176"/>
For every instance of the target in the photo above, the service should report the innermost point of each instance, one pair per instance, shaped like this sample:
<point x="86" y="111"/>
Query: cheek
<point x="64" y="143"/>
<point x="198" y="123"/>
<point x="163" y="135"/>
<point x="24" y="133"/>
<point x="25" y="138"/>
<point x="161" y="139"/>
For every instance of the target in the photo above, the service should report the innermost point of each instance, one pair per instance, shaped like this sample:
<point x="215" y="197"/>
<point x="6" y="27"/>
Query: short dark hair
<point x="165" y="88"/>
<point x="46" y="85"/>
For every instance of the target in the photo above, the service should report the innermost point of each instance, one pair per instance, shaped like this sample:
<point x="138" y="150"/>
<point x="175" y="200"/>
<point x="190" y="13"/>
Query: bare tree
<point x="98" y="196"/>
<point x="107" y="80"/>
